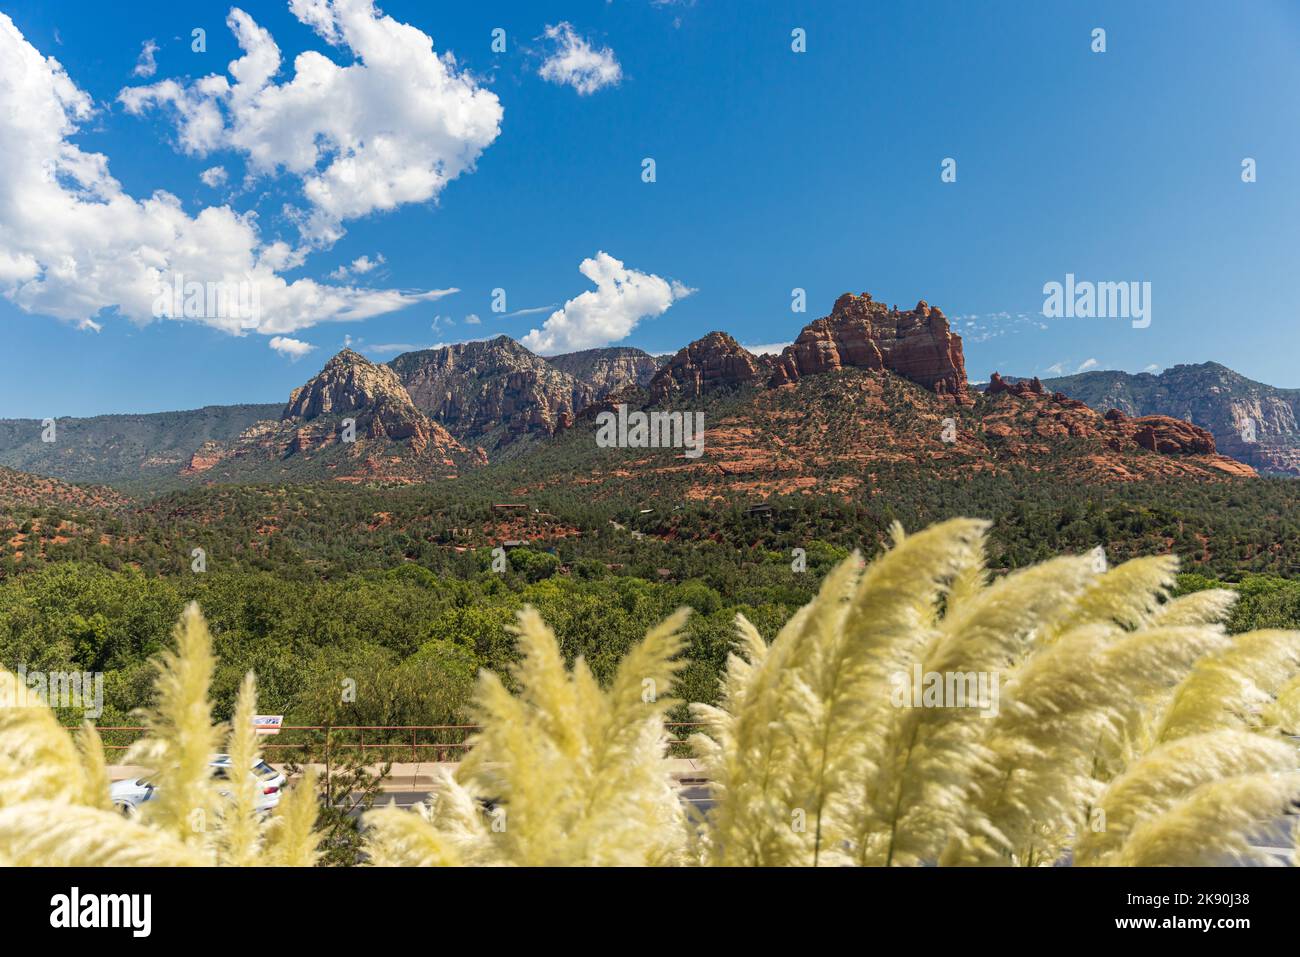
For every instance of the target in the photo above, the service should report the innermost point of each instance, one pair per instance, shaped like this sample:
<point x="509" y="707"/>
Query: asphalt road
<point x="695" y="795"/>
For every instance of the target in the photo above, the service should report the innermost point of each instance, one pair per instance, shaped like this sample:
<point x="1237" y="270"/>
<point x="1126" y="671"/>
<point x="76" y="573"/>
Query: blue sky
<point x="774" y="170"/>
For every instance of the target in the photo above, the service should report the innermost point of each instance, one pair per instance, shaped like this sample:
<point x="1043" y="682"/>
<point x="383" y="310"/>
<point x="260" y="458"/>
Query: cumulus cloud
<point x="1085" y="365"/>
<point x="358" y="267"/>
<point x="472" y="319"/>
<point x="73" y="243"/>
<point x="146" y="66"/>
<point x="393" y="127"/>
<point x="573" y="61"/>
<point x="621" y="299"/>
<point x="293" y="348"/>
<point x="214" y="176"/>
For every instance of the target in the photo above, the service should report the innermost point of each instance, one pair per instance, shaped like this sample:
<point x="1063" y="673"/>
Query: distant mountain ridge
<point x="123" y="449"/>
<point x="435" y="413"/>
<point x="1253" y="422"/>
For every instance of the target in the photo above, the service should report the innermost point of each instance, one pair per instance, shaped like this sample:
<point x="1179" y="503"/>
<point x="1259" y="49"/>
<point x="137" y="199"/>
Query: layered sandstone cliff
<point x="713" y="362"/>
<point x="917" y="344"/>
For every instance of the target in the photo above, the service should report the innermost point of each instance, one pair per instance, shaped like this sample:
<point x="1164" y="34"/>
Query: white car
<point x="128" y="795"/>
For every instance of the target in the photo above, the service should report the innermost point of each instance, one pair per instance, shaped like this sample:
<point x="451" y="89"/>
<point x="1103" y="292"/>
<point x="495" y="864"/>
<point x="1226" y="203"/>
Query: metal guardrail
<point x="325" y="738"/>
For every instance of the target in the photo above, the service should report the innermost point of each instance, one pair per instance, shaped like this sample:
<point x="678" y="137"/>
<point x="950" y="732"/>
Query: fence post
<point x="329" y="778"/>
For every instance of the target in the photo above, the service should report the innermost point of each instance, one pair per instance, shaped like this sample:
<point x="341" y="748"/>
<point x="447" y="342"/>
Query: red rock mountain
<point x="393" y="438"/>
<point x="917" y="344"/>
<point x="351" y="383"/>
<point x="713" y="362"/>
<point x="492" y="392"/>
<point x="1024" y="412"/>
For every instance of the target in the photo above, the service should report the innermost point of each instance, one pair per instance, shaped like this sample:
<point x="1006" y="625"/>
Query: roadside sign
<point x="267" y="723"/>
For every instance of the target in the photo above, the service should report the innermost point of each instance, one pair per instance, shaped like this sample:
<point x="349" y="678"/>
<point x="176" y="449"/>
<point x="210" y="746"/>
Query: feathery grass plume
<point x="1126" y="597"/>
<point x="94" y="768"/>
<point x="1159" y="780"/>
<point x="399" y="838"/>
<point x="1213" y="826"/>
<point x="239" y="823"/>
<point x="755" y="820"/>
<point x="54" y="833"/>
<point x="985" y="634"/>
<point x="1230" y="689"/>
<point x="891" y="621"/>
<point x="811" y="705"/>
<point x="1209" y="607"/>
<point x="577" y="775"/>
<point x="38" y="759"/>
<point x="1284" y="713"/>
<point x="1079" y="706"/>
<point x="1091" y="658"/>
<point x="181" y="738"/>
<point x="1063" y="714"/>
<point x="719" y="747"/>
<point x="290" y="838"/>
<point x="455" y="812"/>
<point x="54" y="793"/>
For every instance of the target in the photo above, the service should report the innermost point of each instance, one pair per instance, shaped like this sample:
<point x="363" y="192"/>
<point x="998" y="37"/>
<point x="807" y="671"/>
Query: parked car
<point x="129" y="795"/>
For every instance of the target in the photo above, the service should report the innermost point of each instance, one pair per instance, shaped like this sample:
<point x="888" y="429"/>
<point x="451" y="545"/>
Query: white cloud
<point x="146" y="66"/>
<point x="472" y="320"/>
<point x="358" y="267"/>
<point x="1152" y="368"/>
<point x="770" y="349"/>
<point x="621" y="299"/>
<point x="1056" y="368"/>
<point x="575" y="62"/>
<point x="293" y="348"/>
<point x="1085" y="365"/>
<point x="214" y="176"/>
<point x="529" y="312"/>
<point x="393" y="127"/>
<point x="73" y="243"/>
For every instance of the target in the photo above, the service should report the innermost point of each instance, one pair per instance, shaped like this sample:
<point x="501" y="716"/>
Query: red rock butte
<point x="917" y="344"/>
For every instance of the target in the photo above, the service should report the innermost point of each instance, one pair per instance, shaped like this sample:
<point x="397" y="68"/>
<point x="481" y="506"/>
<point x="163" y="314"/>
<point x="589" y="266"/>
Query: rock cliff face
<point x="1023" y="387"/>
<point x="491" y="393"/>
<point x="1250" y="421"/>
<point x="1162" y="433"/>
<point x="393" y="439"/>
<point x="916" y="344"/>
<point x="351" y="383"/>
<point x="714" y="362"/>
<point x="1028" y="413"/>
<point x="608" y="370"/>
